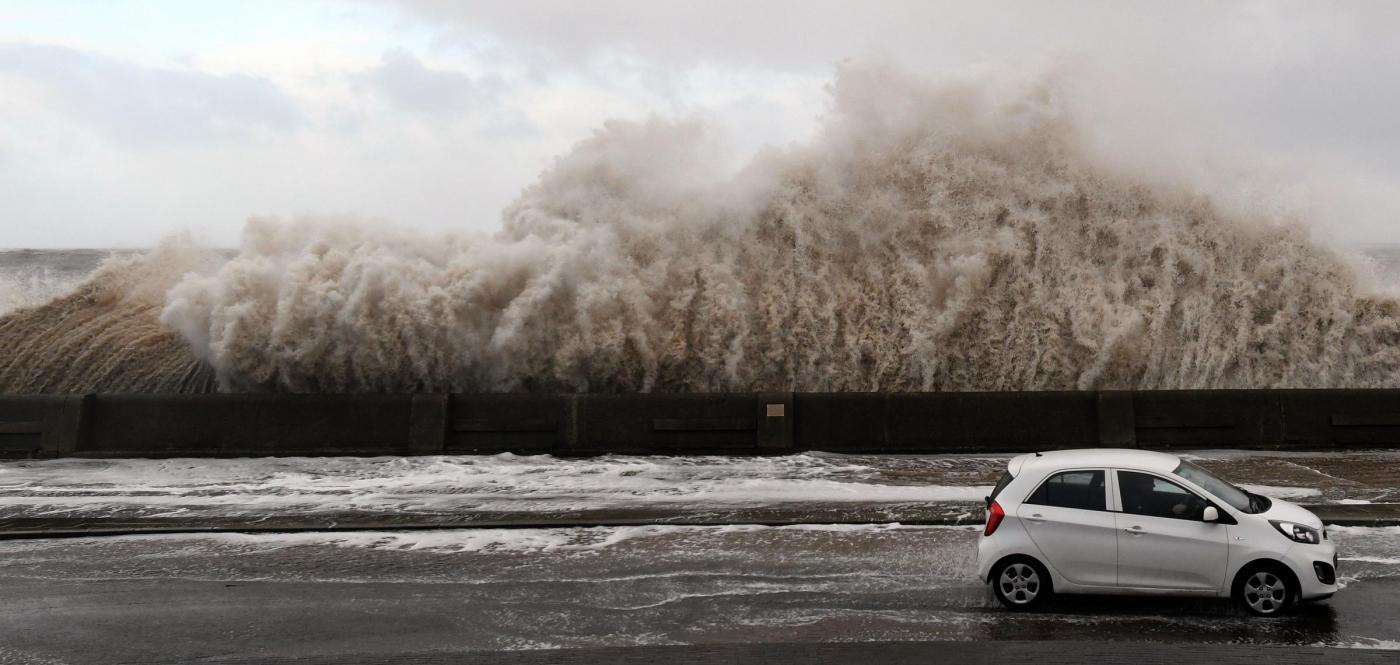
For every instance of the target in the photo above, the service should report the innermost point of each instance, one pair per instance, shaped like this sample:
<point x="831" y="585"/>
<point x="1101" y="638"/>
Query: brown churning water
<point x="927" y="238"/>
<point x="105" y="333"/>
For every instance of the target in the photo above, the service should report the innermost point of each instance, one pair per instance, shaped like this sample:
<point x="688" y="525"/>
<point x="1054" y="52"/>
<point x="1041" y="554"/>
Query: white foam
<point x="1366" y="531"/>
<point x="1283" y="492"/>
<point x="1392" y="561"/>
<point x="445" y="483"/>
<point x="1367" y="643"/>
<point x="497" y="540"/>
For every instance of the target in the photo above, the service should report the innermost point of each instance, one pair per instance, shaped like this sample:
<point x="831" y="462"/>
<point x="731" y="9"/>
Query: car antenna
<point x="1037" y="454"/>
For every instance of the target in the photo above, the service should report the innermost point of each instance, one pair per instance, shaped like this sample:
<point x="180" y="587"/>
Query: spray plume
<point x="929" y="237"/>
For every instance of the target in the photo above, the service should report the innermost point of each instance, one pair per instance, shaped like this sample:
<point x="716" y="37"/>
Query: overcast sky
<point x="123" y="121"/>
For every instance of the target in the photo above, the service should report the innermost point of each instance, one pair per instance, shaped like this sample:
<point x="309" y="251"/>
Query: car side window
<point x="1071" y="489"/>
<point x="1146" y="494"/>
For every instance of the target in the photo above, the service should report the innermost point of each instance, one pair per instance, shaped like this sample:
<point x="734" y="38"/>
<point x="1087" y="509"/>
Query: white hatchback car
<point x="1138" y="522"/>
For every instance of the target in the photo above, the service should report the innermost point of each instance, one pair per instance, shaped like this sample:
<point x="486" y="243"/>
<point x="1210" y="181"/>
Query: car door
<point x="1162" y="541"/>
<point x="1068" y="519"/>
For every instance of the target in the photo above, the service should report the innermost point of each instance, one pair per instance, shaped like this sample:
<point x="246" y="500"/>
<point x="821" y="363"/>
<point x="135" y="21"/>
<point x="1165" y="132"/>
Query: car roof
<point x="1120" y="458"/>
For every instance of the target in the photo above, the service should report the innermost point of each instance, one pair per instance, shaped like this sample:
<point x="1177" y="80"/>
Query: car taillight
<point x="994" y="517"/>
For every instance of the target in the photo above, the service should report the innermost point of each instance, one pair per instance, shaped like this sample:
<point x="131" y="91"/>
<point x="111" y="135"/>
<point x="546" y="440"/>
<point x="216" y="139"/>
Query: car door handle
<point x="1135" y="530"/>
<point x="1036" y="518"/>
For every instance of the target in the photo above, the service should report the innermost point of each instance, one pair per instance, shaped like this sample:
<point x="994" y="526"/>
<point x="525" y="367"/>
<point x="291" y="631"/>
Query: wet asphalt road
<point x="182" y="598"/>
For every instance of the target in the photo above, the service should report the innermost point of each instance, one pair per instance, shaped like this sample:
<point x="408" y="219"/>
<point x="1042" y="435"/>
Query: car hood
<point x="1291" y="512"/>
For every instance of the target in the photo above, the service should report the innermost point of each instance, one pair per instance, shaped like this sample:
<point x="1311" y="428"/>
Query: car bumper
<point x="1316" y="569"/>
<point x="984" y="559"/>
<point x="1012" y="539"/>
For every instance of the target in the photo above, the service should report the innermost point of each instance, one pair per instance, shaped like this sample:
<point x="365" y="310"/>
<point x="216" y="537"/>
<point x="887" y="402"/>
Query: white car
<point x="1111" y="521"/>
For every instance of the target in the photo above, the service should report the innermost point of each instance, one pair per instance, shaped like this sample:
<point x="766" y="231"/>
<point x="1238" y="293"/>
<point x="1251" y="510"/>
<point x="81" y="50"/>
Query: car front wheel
<point x="1021" y="584"/>
<point x="1265" y="592"/>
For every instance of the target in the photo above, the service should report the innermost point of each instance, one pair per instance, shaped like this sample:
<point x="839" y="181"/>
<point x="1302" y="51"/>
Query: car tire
<point x="1021" y="584"/>
<point x="1265" y="591"/>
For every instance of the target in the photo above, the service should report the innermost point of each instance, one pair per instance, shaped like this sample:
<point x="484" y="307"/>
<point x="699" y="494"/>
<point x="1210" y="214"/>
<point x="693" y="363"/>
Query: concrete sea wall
<point x="232" y="425"/>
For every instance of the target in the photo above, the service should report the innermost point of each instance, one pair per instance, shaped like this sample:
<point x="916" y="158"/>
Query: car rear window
<point x="1071" y="489"/>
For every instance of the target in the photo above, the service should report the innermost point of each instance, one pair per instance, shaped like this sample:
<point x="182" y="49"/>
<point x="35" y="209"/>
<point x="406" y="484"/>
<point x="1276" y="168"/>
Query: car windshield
<point x="1222" y="490"/>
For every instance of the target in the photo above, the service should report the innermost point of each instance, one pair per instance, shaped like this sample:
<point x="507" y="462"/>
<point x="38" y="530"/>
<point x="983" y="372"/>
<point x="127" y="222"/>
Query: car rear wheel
<point x="1265" y="592"/>
<point x="1021" y="584"/>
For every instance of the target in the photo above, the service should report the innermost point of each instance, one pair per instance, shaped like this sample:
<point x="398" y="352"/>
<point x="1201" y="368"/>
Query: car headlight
<point x="1297" y="532"/>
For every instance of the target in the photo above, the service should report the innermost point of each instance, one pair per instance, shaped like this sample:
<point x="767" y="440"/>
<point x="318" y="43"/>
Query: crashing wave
<point x="929" y="237"/>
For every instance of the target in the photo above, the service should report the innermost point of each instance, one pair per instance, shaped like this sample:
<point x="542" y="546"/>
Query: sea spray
<point x="928" y="237"/>
<point x="28" y="290"/>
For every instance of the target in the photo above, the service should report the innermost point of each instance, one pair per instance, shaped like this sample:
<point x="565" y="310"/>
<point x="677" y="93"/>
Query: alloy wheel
<point x="1265" y="592"/>
<point x="1019" y="583"/>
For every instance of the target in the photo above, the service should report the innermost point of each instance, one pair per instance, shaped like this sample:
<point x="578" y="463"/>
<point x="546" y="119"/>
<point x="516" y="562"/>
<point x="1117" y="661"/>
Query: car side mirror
<point x="1211" y="514"/>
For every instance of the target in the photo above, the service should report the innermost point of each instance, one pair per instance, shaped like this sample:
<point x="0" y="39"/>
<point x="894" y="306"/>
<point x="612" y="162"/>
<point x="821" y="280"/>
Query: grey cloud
<point x="1215" y="48"/>
<point x="407" y="83"/>
<point x="144" y="105"/>
<point x="801" y="34"/>
<point x="1295" y="70"/>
